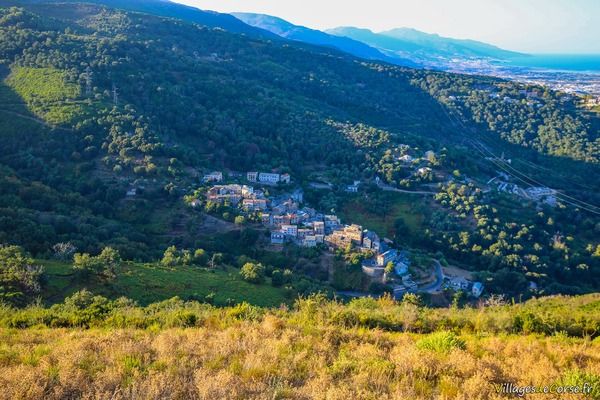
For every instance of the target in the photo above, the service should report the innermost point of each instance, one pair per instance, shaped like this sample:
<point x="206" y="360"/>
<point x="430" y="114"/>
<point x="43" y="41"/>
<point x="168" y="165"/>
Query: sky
<point x="531" y="26"/>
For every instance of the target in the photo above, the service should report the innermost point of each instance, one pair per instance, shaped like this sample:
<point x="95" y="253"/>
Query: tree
<point x="170" y="257"/>
<point x="253" y="273"/>
<point x="64" y="251"/>
<point x="104" y="265"/>
<point x="110" y="260"/>
<point x="240" y="220"/>
<point x="277" y="278"/>
<point x="19" y="276"/>
<point x="200" y="256"/>
<point x="389" y="268"/>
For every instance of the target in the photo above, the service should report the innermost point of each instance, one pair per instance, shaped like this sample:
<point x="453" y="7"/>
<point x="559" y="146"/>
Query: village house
<point x="269" y="178"/>
<point x="290" y="230"/>
<point x="349" y="235"/>
<point x="277" y="237"/>
<point x="384" y="258"/>
<point x="266" y="218"/>
<point x="252" y="176"/>
<point x="458" y="283"/>
<point x="252" y="205"/>
<point x="331" y="222"/>
<point x="423" y="171"/>
<point x="309" y="241"/>
<point x="477" y="289"/>
<point x="248" y="191"/>
<point x="227" y="193"/>
<point x="319" y="227"/>
<point x="303" y="233"/>
<point x="371" y="241"/>
<point x="285" y="178"/>
<point x="215" y="176"/>
<point x="405" y="159"/>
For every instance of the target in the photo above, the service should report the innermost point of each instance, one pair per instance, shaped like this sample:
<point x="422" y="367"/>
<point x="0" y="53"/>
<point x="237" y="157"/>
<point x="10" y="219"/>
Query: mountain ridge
<point x="409" y="42"/>
<point x="288" y="30"/>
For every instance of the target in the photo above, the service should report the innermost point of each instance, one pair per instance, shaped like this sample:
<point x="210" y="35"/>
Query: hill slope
<point x="165" y="8"/>
<point x="97" y="101"/>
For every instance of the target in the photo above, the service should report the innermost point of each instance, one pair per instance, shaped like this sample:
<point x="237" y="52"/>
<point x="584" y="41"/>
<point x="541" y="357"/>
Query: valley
<point x="291" y="213"/>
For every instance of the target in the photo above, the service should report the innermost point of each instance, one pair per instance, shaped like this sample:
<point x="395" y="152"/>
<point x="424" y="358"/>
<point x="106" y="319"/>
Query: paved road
<point x="439" y="280"/>
<point x="430" y="288"/>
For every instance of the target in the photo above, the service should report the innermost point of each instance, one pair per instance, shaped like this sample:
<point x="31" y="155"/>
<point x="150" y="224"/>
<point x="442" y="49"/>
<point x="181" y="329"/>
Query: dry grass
<point x="272" y="358"/>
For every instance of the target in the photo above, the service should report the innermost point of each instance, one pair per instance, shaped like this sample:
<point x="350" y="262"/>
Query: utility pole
<point x="115" y="95"/>
<point x="88" y="82"/>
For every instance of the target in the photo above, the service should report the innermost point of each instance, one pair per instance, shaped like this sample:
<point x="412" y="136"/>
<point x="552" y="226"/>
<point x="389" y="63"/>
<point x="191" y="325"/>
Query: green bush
<point x="441" y="342"/>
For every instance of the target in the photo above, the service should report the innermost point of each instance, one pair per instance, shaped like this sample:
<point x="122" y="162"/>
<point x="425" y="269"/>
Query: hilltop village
<point x="290" y="221"/>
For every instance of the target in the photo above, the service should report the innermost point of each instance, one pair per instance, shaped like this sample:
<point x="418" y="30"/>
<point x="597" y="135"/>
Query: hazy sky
<point x="534" y="26"/>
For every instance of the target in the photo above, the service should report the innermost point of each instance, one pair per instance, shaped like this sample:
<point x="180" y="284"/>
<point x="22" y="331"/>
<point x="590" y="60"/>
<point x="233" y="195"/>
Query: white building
<point x="309" y="241"/>
<point x="384" y="258"/>
<point x="266" y="177"/>
<point x="215" y="176"/>
<point x="277" y="237"/>
<point x="252" y="176"/>
<point x="290" y="230"/>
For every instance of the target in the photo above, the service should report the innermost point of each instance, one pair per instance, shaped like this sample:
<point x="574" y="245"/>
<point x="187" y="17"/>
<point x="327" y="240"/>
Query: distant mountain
<point x="459" y="47"/>
<point x="299" y="33"/>
<point x="419" y="46"/>
<point x="166" y="8"/>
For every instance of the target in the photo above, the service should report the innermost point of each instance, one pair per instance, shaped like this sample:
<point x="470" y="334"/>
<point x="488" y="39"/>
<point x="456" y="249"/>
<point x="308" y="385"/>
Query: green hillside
<point x="150" y="283"/>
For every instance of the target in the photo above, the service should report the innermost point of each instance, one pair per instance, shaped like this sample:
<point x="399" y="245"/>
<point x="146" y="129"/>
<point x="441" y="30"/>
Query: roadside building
<point x="277" y="237"/>
<point x="477" y="289"/>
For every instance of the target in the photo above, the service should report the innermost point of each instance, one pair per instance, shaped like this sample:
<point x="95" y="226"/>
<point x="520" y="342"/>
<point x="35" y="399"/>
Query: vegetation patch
<point x="48" y="92"/>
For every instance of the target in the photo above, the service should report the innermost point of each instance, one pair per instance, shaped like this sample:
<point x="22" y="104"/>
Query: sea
<point x="588" y="63"/>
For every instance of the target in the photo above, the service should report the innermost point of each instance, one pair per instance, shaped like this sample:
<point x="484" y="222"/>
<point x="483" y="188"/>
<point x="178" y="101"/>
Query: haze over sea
<point x="562" y="62"/>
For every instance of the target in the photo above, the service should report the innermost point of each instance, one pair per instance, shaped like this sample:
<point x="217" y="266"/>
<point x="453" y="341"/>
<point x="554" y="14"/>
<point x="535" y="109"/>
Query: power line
<point x="478" y="146"/>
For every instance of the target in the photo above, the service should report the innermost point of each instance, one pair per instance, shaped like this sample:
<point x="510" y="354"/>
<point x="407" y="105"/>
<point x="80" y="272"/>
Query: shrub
<point x="253" y="273"/>
<point x="441" y="342"/>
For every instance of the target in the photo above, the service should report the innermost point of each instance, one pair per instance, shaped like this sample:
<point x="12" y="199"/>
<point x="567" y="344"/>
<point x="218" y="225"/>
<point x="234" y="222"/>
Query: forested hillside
<point x="96" y="100"/>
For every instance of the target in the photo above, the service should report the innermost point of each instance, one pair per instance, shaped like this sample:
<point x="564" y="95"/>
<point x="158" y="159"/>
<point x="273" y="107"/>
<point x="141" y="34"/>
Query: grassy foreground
<point x="368" y="349"/>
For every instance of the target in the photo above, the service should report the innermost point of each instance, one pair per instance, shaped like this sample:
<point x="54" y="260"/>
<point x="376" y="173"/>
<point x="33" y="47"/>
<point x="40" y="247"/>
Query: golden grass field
<point x="272" y="358"/>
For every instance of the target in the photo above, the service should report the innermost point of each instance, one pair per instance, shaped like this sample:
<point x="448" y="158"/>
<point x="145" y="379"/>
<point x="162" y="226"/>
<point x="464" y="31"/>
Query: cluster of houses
<point x="266" y="178"/>
<point x="235" y="195"/>
<point x="539" y="194"/>
<point x="465" y="285"/>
